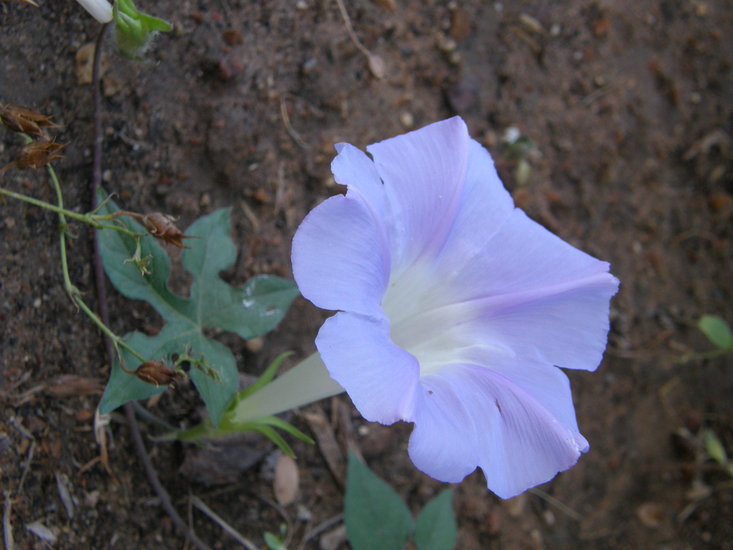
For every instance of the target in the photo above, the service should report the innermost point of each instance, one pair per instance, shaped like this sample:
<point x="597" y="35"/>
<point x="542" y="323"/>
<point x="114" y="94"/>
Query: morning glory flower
<point x="455" y="310"/>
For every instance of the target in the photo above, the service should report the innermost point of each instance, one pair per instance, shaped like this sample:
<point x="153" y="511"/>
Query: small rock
<point x="650" y="514"/>
<point x="377" y="66"/>
<point x="112" y="85"/>
<point x="232" y="37"/>
<point x="333" y="539"/>
<point x="84" y="62"/>
<point x="254" y="345"/>
<point x="92" y="498"/>
<point x="517" y="505"/>
<point x="287" y="480"/>
<point x="531" y="24"/>
<point x="42" y="532"/>
<point x="445" y="44"/>
<point x="303" y="514"/>
<point x="224" y="464"/>
<point x="407" y="119"/>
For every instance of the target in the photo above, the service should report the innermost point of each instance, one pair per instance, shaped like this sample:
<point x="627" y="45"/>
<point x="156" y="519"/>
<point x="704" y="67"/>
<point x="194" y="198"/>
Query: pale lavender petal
<point x="548" y="386"/>
<point x="532" y="292"/>
<point x="562" y="325"/>
<point x="522" y="255"/>
<point x="355" y="169"/>
<point x="340" y="257"/>
<point x="380" y="377"/>
<point x="565" y="326"/>
<point x="423" y="173"/>
<point x="484" y="207"/>
<point x="482" y="414"/>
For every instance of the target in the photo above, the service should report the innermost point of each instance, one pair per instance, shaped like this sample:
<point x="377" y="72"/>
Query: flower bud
<point x="156" y="372"/>
<point x="134" y="30"/>
<point x="38" y="154"/>
<point x="161" y="227"/>
<point x="101" y="10"/>
<point x="20" y="119"/>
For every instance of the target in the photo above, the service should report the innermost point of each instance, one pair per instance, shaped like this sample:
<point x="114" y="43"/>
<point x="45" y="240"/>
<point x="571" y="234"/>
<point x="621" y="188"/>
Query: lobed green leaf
<point x="250" y="311"/>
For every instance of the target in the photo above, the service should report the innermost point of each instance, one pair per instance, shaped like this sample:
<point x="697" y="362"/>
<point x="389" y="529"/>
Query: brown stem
<point x="127" y="213"/>
<point x="142" y="452"/>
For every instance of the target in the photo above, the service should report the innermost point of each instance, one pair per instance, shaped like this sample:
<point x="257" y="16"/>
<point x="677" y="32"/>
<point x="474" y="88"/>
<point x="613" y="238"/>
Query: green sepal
<point x="134" y="28"/>
<point x="264" y="379"/>
<point x="265" y="426"/>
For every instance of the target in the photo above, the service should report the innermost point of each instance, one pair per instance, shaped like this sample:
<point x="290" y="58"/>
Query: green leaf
<point x="274" y="542"/>
<point x="717" y="331"/>
<point x="435" y="528"/>
<point x="375" y="516"/>
<point x="250" y="311"/>
<point x="714" y="448"/>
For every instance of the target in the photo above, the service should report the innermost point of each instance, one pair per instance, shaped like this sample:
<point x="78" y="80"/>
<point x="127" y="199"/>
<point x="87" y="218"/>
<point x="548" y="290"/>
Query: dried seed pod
<point x="38" y="154"/>
<point x="156" y="372"/>
<point x="20" y="119"/>
<point x="161" y="227"/>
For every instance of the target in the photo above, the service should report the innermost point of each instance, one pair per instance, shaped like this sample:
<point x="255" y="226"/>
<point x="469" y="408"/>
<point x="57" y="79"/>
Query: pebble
<point x="333" y="538"/>
<point x="254" y="345"/>
<point x="287" y="480"/>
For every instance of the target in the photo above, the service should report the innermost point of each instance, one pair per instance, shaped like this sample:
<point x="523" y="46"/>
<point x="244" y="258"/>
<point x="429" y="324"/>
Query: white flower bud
<point x="101" y="10"/>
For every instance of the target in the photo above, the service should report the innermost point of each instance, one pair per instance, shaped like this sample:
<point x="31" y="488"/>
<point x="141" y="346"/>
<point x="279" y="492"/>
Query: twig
<point x="31" y="450"/>
<point x="213" y="516"/>
<point x="150" y="417"/>
<point x="7" y="526"/>
<point x="376" y="64"/>
<point x="283" y="514"/>
<point x="318" y="529"/>
<point x="160" y="491"/>
<point x="564" y="508"/>
<point x="289" y="127"/>
<point x="165" y="500"/>
<point x="350" y="30"/>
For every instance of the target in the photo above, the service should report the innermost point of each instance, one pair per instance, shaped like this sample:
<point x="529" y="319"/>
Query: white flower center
<point x="426" y="322"/>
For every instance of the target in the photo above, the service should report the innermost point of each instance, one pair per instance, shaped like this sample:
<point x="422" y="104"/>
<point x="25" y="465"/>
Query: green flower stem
<point x="116" y="340"/>
<point x="93" y="220"/>
<point x="46" y="205"/>
<point x="305" y="383"/>
<point x="71" y="290"/>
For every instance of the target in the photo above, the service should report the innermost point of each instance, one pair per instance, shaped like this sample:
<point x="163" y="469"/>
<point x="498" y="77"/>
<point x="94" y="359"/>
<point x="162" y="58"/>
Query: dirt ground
<point x="628" y="110"/>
